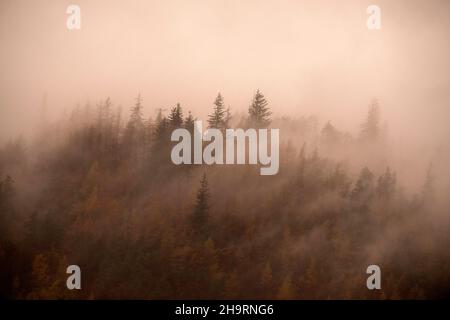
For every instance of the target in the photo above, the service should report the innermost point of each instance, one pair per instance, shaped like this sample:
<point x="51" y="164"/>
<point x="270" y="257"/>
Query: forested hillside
<point x="98" y="189"/>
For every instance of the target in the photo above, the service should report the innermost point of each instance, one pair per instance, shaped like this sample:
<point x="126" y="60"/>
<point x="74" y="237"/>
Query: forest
<point x="97" y="189"/>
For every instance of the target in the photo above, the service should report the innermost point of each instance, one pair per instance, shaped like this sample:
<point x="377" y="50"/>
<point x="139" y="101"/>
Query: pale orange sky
<point x="308" y="57"/>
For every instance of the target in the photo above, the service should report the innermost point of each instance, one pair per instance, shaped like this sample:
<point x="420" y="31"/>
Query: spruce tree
<point x="176" y="117"/>
<point x="259" y="113"/>
<point x="162" y="129"/>
<point x="386" y="184"/>
<point x="136" y="118"/>
<point x="370" y="129"/>
<point x="189" y="122"/>
<point x="364" y="186"/>
<point x="330" y="135"/>
<point x="200" y="215"/>
<point x="218" y="117"/>
<point x="134" y="136"/>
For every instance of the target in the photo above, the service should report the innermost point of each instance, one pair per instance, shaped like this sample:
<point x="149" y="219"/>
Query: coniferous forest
<point x="96" y="188"/>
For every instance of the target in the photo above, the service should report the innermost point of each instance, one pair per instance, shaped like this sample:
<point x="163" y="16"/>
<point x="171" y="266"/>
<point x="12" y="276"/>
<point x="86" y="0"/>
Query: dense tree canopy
<point x="105" y="196"/>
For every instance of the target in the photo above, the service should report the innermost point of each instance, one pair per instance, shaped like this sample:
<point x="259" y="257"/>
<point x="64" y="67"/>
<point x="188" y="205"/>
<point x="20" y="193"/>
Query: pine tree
<point x="200" y="215"/>
<point x="117" y="126"/>
<point x="338" y="181"/>
<point x="330" y="135"/>
<point x="386" y="184"/>
<point x="176" y="117"/>
<point x="134" y="135"/>
<point x="259" y="113"/>
<point x="103" y="113"/>
<point x="189" y="122"/>
<point x="364" y="186"/>
<point x="217" y="119"/>
<point x="135" y="130"/>
<point x="162" y="129"/>
<point x="149" y="129"/>
<point x="159" y="115"/>
<point x="370" y="129"/>
<point x="136" y="118"/>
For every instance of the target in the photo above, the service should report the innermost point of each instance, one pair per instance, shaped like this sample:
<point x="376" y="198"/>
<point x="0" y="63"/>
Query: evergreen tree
<point x="189" y="122"/>
<point x="136" y="118"/>
<point x="104" y="113"/>
<point x="200" y="215"/>
<point x="364" y="186"/>
<point x="134" y="136"/>
<point x="160" y="148"/>
<point x="330" y="135"/>
<point x="259" y="113"/>
<point x="386" y="184"/>
<point x="162" y="129"/>
<point x="117" y="126"/>
<point x="218" y="118"/>
<point x="339" y="181"/>
<point x="370" y="129"/>
<point x="176" y="117"/>
<point x="149" y="127"/>
<point x="159" y="116"/>
<point x="134" y="132"/>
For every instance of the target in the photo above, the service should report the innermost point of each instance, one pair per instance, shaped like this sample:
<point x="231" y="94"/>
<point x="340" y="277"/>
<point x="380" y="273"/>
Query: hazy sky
<point x="308" y="57"/>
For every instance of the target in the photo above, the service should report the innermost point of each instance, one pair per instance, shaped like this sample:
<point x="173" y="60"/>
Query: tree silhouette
<point x="259" y="113"/>
<point x="200" y="216"/>
<point x="370" y="129"/>
<point x="136" y="120"/>
<point x="330" y="136"/>
<point x="136" y="231"/>
<point x="176" y="117"/>
<point x="217" y="119"/>
<point x="364" y="186"/>
<point x="162" y="129"/>
<point x="134" y="136"/>
<point x="386" y="184"/>
<point x="189" y="122"/>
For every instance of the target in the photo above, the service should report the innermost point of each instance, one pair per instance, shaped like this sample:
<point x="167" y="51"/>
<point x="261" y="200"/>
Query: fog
<point x="343" y="198"/>
<point x="308" y="57"/>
